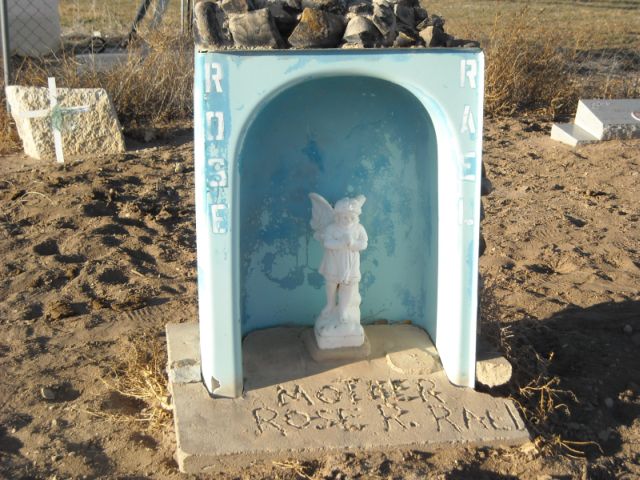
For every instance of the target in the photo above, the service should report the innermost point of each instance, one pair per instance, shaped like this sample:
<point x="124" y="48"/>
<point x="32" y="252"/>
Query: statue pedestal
<point x="331" y="333"/>
<point x="340" y="354"/>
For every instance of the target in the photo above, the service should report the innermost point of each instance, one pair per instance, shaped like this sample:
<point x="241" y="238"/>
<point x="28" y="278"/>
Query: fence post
<point x="6" y="50"/>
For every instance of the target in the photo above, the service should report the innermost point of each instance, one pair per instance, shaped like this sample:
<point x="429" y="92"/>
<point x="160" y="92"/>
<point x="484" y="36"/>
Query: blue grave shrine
<point x="400" y="126"/>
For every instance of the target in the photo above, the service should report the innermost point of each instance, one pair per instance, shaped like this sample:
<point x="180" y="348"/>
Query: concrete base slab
<point x="293" y="406"/>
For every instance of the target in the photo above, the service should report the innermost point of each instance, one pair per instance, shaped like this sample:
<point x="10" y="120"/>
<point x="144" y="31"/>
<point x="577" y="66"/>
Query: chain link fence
<point x="35" y="29"/>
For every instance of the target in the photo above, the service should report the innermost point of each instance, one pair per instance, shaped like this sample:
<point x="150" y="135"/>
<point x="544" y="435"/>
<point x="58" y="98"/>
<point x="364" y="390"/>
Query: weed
<point x="538" y="395"/>
<point x="140" y="376"/>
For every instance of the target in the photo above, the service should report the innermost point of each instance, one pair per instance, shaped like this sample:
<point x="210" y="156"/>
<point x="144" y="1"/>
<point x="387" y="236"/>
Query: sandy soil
<point x="100" y="254"/>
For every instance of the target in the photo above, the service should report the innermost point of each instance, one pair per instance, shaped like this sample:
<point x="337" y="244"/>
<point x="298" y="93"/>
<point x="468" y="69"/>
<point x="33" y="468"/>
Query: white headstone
<point x="607" y="119"/>
<point x="600" y="120"/>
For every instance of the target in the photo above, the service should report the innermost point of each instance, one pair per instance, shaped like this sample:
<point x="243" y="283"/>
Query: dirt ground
<point x="99" y="254"/>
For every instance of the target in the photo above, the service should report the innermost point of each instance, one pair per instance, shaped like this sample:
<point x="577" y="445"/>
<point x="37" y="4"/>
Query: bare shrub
<point x="525" y="69"/>
<point x="533" y="66"/>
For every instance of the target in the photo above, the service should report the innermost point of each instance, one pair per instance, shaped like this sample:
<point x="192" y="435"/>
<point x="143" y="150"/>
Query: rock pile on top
<point x="266" y="24"/>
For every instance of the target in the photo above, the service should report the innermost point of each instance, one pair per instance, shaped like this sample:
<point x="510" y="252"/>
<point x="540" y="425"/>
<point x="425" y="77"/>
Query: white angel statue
<point x="343" y="238"/>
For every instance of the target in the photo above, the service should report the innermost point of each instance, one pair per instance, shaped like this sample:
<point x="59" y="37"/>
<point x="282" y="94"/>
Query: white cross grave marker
<point x="57" y="114"/>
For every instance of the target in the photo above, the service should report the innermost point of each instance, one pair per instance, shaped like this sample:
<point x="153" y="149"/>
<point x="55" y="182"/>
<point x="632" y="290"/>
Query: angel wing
<point x="322" y="215"/>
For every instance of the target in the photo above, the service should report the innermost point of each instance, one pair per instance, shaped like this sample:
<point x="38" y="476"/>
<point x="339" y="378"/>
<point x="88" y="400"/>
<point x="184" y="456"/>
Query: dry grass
<point x="538" y="395"/>
<point x="543" y="56"/>
<point x="140" y="375"/>
<point x="531" y="66"/>
<point x="525" y="69"/>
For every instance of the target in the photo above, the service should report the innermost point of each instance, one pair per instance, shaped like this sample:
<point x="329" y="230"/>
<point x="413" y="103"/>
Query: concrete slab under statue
<point x="399" y="127"/>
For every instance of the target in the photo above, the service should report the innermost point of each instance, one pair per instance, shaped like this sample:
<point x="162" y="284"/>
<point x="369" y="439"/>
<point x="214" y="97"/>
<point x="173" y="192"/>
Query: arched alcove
<point x="337" y="136"/>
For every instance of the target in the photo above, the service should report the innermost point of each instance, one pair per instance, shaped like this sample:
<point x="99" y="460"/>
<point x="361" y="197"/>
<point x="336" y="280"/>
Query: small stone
<point x="361" y="31"/>
<point x="483" y="246"/>
<point x="255" y="29"/>
<point x="404" y="40"/>
<point x="420" y="14"/>
<point x="209" y="21"/>
<point x="361" y="8"/>
<point x="608" y="402"/>
<point x="486" y="187"/>
<point x="603" y="434"/>
<point x="179" y="168"/>
<point x="54" y="423"/>
<point x="405" y="15"/>
<point x="236" y="6"/>
<point x="59" y="309"/>
<point x="628" y="329"/>
<point x="434" y="36"/>
<point x="529" y="448"/>
<point x="334" y="6"/>
<point x="46" y="248"/>
<point x="317" y="29"/>
<point x="385" y="20"/>
<point x="285" y="20"/>
<point x="492" y="369"/>
<point x="47" y="393"/>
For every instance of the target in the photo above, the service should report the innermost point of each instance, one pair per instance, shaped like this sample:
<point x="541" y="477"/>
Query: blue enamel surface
<point x="366" y="136"/>
<point x="399" y="126"/>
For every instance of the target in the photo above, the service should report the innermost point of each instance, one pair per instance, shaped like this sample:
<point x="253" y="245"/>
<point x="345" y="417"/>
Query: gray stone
<point x="433" y="21"/>
<point x="486" y="187"/>
<point x="47" y="393"/>
<point x="334" y="6"/>
<point x="405" y="39"/>
<point x="230" y="7"/>
<point x="492" y="369"/>
<point x="398" y="397"/>
<point x="405" y="15"/>
<point x="317" y="29"/>
<point x="483" y="246"/>
<point x="290" y="5"/>
<point x="433" y="36"/>
<point x="361" y="31"/>
<point x="420" y="15"/>
<point x="385" y="20"/>
<point x="285" y="20"/>
<point x="255" y="29"/>
<point x="628" y="329"/>
<point x="92" y="132"/>
<point x="608" y="402"/>
<point x="361" y="8"/>
<point x="210" y="25"/>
